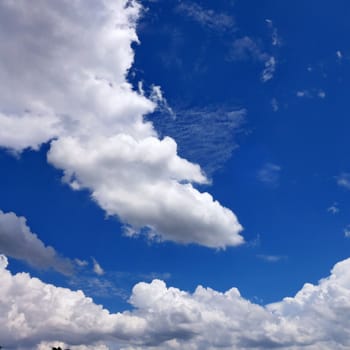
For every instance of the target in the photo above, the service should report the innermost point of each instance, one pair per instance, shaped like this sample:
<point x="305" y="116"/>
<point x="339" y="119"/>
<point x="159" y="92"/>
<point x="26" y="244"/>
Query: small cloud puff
<point x="97" y="267"/>
<point x="334" y="208"/>
<point x="271" y="258"/>
<point x="347" y="231"/>
<point x="312" y="93"/>
<point x="343" y="180"/>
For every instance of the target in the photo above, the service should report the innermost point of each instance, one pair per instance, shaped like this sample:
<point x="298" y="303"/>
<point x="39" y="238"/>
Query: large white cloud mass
<point x="17" y="241"/>
<point x="34" y="314"/>
<point x="63" y="71"/>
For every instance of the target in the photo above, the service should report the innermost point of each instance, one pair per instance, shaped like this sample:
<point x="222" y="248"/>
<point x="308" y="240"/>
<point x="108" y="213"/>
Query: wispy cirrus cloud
<point x="275" y="104"/>
<point x="271" y="258"/>
<point x="343" y="180"/>
<point x="208" y="18"/>
<point x="269" y="70"/>
<point x="246" y="48"/>
<point x="347" y="231"/>
<point x="275" y="37"/>
<point x="206" y="136"/>
<point x="311" y="93"/>
<point x="269" y="174"/>
<point x="334" y="208"/>
<point x="97" y="268"/>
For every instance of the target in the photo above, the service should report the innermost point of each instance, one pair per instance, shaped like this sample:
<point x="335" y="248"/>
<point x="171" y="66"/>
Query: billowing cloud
<point x="17" y="241"/>
<point x="63" y="71"/>
<point x="32" y="312"/>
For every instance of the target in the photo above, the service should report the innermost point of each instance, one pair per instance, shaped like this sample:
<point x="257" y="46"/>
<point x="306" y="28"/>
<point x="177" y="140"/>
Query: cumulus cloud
<point x="63" y="71"/>
<point x="33" y="313"/>
<point x="17" y="241"/>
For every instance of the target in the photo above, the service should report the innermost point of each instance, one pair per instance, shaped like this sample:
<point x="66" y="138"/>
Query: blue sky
<point x="179" y="142"/>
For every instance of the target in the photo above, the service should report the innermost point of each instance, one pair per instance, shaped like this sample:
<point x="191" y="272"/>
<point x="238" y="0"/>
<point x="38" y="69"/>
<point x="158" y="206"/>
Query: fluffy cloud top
<point x="33" y="313"/>
<point x="63" y="71"/>
<point x="17" y="241"/>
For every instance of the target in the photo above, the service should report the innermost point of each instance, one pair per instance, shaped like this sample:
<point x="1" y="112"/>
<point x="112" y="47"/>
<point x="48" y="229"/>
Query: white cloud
<point x="81" y="263"/>
<point x="63" y="71"/>
<point x="311" y="93"/>
<point x="33" y="313"/>
<point x="275" y="105"/>
<point x="343" y="180"/>
<point x="269" y="70"/>
<point x="269" y="174"/>
<point x="275" y="38"/>
<point x="339" y="55"/>
<point x="246" y="48"/>
<point x="17" y="241"/>
<point x="97" y="267"/>
<point x="97" y="286"/>
<point x="321" y="94"/>
<point x="271" y="258"/>
<point x="204" y="135"/>
<point x="334" y="208"/>
<point x="207" y="17"/>
<point x="347" y="231"/>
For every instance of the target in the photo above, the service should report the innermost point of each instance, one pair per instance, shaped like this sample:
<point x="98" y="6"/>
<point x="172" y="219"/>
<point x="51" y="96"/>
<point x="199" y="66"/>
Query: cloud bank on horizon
<point x="64" y="71"/>
<point x="36" y="315"/>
